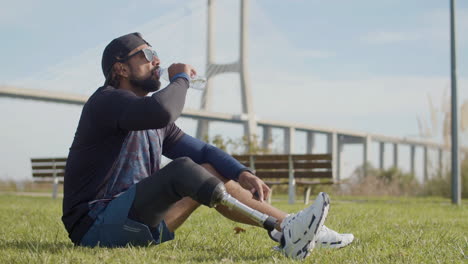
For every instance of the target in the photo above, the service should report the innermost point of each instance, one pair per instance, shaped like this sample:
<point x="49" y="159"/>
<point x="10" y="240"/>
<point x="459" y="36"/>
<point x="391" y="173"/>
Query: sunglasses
<point x="150" y="54"/>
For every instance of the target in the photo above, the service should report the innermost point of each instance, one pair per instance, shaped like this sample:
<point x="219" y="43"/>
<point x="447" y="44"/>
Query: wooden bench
<point x="305" y="169"/>
<point x="49" y="170"/>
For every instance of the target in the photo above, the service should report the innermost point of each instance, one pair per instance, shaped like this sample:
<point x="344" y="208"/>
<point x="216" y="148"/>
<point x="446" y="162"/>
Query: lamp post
<point x="456" y="188"/>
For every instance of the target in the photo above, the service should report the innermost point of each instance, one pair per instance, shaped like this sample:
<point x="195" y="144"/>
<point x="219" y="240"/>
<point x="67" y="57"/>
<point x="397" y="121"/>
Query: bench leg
<point x="291" y="191"/>
<point x="55" y="188"/>
<point x="307" y="194"/>
<point x="271" y="194"/>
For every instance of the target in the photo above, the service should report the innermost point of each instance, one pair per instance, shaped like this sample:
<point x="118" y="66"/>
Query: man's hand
<point x="176" y="68"/>
<point x="253" y="184"/>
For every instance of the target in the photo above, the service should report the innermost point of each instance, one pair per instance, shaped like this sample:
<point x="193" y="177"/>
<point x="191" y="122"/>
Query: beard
<point x="150" y="84"/>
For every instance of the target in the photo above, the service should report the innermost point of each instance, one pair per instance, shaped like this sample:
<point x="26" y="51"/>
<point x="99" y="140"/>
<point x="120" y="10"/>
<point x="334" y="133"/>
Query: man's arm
<point x="122" y="109"/>
<point x="157" y="110"/>
<point x="201" y="152"/>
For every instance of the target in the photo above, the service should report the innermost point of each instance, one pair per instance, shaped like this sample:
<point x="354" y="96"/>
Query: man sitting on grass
<point x="115" y="192"/>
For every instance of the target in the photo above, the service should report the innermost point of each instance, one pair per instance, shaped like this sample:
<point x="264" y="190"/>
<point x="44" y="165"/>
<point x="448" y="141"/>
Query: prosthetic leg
<point x="184" y="178"/>
<point x="220" y="196"/>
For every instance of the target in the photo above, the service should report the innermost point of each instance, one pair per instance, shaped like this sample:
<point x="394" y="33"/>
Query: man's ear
<point x="121" y="69"/>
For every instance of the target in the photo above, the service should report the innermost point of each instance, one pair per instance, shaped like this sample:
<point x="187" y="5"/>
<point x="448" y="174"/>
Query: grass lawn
<point x="387" y="230"/>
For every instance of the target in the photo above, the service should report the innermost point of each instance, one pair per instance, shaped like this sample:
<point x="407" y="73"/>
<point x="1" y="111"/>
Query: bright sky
<point x="361" y="65"/>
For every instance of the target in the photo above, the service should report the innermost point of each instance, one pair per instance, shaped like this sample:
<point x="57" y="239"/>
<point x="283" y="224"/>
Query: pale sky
<point x="362" y="65"/>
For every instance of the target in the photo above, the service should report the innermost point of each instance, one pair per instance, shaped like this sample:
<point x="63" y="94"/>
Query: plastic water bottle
<point x="196" y="82"/>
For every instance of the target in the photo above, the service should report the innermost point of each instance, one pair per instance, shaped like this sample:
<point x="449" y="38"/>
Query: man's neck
<point x="126" y="85"/>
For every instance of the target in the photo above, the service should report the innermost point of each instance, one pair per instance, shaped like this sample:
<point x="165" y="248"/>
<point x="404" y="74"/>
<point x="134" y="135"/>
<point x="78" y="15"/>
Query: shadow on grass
<point x="36" y="246"/>
<point x="43" y="247"/>
<point x="221" y="259"/>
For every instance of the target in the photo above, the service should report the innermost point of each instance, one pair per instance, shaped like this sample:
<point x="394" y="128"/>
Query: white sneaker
<point x="300" y="230"/>
<point x="327" y="238"/>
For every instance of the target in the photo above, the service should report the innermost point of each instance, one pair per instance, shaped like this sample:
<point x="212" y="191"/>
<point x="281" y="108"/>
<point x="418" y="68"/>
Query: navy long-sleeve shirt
<point x="119" y="141"/>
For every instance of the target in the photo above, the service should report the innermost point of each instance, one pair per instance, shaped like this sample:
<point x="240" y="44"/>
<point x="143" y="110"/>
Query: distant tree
<point x="238" y="146"/>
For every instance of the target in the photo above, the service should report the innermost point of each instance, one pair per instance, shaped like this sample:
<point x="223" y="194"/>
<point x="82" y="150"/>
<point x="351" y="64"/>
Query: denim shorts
<point x="113" y="228"/>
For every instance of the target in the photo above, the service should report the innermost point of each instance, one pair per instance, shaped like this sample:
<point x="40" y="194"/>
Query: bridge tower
<point x="240" y="66"/>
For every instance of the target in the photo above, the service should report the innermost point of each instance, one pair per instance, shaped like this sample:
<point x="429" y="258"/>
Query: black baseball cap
<point x="118" y="49"/>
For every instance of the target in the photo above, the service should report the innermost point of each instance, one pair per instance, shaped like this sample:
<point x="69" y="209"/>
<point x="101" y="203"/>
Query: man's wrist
<point x="181" y="75"/>
<point x="246" y="169"/>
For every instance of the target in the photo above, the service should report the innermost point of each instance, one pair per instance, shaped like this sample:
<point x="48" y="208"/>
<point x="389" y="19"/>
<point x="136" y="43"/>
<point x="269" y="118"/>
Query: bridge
<point x="336" y="138"/>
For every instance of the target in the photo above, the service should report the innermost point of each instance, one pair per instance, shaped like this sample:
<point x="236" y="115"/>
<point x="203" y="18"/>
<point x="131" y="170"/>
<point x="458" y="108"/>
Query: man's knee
<point x="183" y="163"/>
<point x="186" y="166"/>
<point x="188" y="172"/>
<point x="183" y="167"/>
<point x="193" y="180"/>
<point x="173" y="174"/>
<point x="186" y="163"/>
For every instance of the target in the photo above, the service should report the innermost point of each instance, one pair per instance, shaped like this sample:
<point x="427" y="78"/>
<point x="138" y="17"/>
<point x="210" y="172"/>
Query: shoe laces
<point x="297" y="219"/>
<point x="327" y="234"/>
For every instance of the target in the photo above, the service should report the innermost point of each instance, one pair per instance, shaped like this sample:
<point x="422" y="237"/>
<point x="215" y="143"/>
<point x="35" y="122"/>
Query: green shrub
<point x="394" y="182"/>
<point x="386" y="182"/>
<point x="441" y="183"/>
<point x="238" y="146"/>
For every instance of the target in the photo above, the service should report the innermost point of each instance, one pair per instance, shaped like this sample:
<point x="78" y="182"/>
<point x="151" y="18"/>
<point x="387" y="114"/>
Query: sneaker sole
<point x="334" y="245"/>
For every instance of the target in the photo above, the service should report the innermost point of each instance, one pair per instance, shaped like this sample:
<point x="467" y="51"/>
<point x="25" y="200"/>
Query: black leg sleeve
<point x="157" y="193"/>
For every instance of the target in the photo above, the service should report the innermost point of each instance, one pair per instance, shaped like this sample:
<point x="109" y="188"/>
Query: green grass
<point x="387" y="230"/>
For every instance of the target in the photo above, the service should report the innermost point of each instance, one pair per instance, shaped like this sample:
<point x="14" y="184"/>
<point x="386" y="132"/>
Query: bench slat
<point x="48" y="179"/>
<point x="266" y="157"/>
<point x="308" y="157"/>
<point x="314" y="165"/>
<point x="299" y="182"/>
<point x="47" y="174"/>
<point x="281" y="157"/>
<point x="48" y="167"/>
<point x="297" y="174"/>
<point x="35" y="160"/>
<point x="283" y="165"/>
<point x="278" y="157"/>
